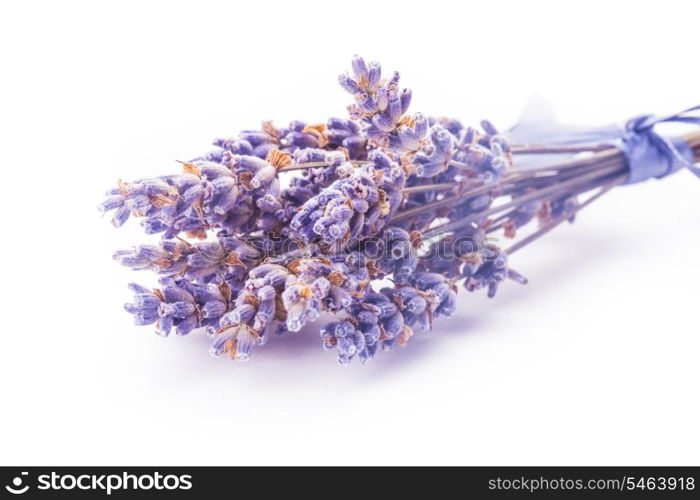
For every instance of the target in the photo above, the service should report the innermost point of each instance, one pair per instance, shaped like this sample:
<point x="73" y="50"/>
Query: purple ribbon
<point x="649" y="155"/>
<point x="652" y="155"/>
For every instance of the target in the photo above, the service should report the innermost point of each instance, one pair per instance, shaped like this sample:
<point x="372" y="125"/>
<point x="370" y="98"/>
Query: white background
<point x="594" y="362"/>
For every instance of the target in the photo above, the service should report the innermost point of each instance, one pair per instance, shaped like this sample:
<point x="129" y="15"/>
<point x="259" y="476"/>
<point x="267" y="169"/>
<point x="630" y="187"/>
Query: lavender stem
<point x="536" y="195"/>
<point x="543" y="149"/>
<point x="544" y="230"/>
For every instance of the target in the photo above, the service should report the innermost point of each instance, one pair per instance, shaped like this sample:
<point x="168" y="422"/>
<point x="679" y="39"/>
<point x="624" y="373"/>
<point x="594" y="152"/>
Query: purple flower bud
<point x="375" y="75"/>
<point x="405" y="98"/>
<point x="349" y="84"/>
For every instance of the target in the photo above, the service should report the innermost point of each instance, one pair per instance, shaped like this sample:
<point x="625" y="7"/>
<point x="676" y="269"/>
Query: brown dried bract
<point x="163" y="263"/>
<point x="224" y="328"/>
<point x="406" y="162"/>
<point x="406" y="120"/>
<point x="252" y="300"/>
<point x="324" y="248"/>
<point x="345" y="152"/>
<point x="233" y="259"/>
<point x="271" y="130"/>
<point x="293" y="267"/>
<point x="231" y="347"/>
<point x="405" y="336"/>
<point x="336" y="278"/>
<point x="183" y="243"/>
<point x="200" y="234"/>
<point x="361" y="287"/>
<point x="278" y="159"/>
<point x="382" y="333"/>
<point x="244" y="179"/>
<point x="378" y="176"/>
<point x="197" y="205"/>
<point x="319" y="130"/>
<point x="280" y="311"/>
<point x="123" y="187"/>
<point x="159" y="200"/>
<point x="372" y="269"/>
<point x="416" y="239"/>
<point x="383" y="203"/>
<point x="225" y="290"/>
<point x="304" y="289"/>
<point x="191" y="168"/>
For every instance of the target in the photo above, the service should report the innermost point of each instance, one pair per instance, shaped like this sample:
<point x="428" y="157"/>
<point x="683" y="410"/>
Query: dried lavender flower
<point x="381" y="197"/>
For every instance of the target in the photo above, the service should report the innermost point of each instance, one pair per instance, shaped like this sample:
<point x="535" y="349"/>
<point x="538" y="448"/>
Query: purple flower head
<point x="354" y="207"/>
<point x="228" y="258"/>
<point x="380" y="105"/>
<point x="256" y="306"/>
<point x="140" y="198"/>
<point x="435" y="157"/>
<point x="488" y="270"/>
<point x="485" y="156"/>
<point x="320" y="284"/>
<point x="179" y="305"/>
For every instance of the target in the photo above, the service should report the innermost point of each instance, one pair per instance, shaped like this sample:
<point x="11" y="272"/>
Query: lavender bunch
<point x="377" y="220"/>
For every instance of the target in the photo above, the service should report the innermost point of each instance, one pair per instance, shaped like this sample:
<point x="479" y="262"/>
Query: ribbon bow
<point x="649" y="155"/>
<point x="652" y="155"/>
